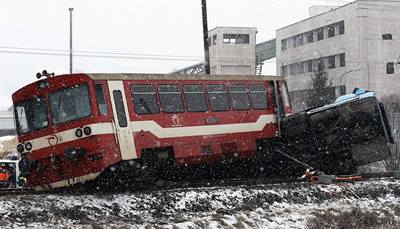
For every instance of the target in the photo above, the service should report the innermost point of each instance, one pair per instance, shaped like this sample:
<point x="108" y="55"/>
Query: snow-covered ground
<point x="367" y="204"/>
<point x="5" y="138"/>
<point x="7" y="145"/>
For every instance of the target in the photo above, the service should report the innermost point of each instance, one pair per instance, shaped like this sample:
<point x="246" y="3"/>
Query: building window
<point x="284" y="44"/>
<point x="214" y="39"/>
<point x="341" y="27"/>
<point x="320" y="64"/>
<point x="331" y="62"/>
<point x="236" y="38"/>
<point x="309" y="64"/>
<point x="144" y="99"/>
<point x="300" y="67"/>
<point x="284" y="70"/>
<point x="300" y="40"/>
<point x="310" y="37"/>
<point x="293" y="39"/>
<point x="390" y="68"/>
<point x="331" y="31"/>
<point x="170" y="98"/>
<point x="195" y="98"/>
<point x="292" y="69"/>
<point x="320" y="34"/>
<point x="342" y="59"/>
<point x="387" y="36"/>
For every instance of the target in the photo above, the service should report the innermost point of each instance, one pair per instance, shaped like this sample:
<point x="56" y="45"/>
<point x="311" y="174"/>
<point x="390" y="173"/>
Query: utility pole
<point x="205" y="37"/>
<point x="70" y="39"/>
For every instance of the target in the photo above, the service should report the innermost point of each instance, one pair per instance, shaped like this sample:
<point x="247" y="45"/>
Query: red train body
<point x="71" y="128"/>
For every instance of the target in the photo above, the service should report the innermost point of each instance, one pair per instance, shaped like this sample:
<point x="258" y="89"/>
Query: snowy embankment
<point x="363" y="204"/>
<point x="7" y="145"/>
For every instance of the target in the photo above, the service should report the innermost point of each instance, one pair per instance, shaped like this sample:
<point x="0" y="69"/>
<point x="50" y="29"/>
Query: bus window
<point x="70" y="104"/>
<point x="195" y="98"/>
<point x="144" y="99"/>
<point x="218" y="97"/>
<point x="259" y="98"/>
<point x="31" y="115"/>
<point x="101" y="99"/>
<point x="120" y="108"/>
<point x="170" y="98"/>
<point x="239" y="97"/>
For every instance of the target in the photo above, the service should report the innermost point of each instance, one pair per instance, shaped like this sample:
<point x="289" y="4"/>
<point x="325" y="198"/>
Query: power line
<point x="109" y="55"/>
<point x="99" y="52"/>
<point x="101" y="56"/>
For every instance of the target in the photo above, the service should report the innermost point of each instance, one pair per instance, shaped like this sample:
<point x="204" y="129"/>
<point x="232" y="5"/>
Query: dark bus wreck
<point x="338" y="137"/>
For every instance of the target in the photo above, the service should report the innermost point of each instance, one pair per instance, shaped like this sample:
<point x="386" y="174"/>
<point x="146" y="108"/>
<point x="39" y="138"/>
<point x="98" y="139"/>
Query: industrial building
<point x="232" y="50"/>
<point x="358" y="45"/>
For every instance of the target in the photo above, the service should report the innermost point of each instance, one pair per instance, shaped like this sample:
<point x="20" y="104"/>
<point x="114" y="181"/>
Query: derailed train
<point x="84" y="127"/>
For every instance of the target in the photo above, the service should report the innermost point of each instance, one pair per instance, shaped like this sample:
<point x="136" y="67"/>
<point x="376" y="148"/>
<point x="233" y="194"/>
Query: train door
<point x="284" y="93"/>
<point x="122" y="123"/>
<point x="281" y="98"/>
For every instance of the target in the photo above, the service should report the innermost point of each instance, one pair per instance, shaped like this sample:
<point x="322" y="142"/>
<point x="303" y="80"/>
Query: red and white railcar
<point x="71" y="128"/>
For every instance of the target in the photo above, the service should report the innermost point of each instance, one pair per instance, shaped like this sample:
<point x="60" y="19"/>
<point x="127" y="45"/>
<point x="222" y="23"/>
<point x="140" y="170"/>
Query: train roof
<point x="136" y="76"/>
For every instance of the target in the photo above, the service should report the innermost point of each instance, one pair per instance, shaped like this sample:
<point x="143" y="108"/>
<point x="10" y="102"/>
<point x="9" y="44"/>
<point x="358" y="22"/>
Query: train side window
<point x="144" y="99"/>
<point x="101" y="99"/>
<point x="195" y="98"/>
<point x="239" y="97"/>
<point x="120" y="108"/>
<point x="218" y="97"/>
<point x="170" y="98"/>
<point x="259" y="98"/>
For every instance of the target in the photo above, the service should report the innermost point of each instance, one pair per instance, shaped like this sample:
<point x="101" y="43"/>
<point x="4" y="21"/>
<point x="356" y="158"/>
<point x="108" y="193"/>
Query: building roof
<point x="134" y="76"/>
<point x="340" y="7"/>
<point x="232" y="27"/>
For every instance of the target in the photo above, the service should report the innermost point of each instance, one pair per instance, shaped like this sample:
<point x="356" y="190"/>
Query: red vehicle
<point x="72" y="128"/>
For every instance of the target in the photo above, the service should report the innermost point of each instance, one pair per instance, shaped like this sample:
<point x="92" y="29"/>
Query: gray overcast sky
<point x="156" y="27"/>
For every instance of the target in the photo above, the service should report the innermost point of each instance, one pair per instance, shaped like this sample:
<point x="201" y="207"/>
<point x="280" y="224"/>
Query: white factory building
<point x="358" y="44"/>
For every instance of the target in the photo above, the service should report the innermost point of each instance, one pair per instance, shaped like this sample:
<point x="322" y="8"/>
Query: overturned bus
<point x="339" y="137"/>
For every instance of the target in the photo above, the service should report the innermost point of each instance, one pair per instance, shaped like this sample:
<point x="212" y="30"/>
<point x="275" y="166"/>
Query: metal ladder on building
<point x="259" y="65"/>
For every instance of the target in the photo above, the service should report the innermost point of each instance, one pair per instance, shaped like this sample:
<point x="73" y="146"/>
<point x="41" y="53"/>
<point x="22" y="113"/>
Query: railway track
<point x="156" y="185"/>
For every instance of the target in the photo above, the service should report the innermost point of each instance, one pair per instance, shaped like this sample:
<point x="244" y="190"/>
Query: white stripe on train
<point x="66" y="183"/>
<point x="153" y="127"/>
<point x="157" y="130"/>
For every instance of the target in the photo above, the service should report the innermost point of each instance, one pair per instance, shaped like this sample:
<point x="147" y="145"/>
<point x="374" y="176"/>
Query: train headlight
<point x="78" y="133"/>
<point x="20" y="148"/>
<point x="28" y="146"/>
<point x="87" y="130"/>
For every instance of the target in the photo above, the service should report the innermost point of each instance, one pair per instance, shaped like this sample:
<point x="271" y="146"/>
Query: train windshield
<point x="70" y="104"/>
<point x="31" y="115"/>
